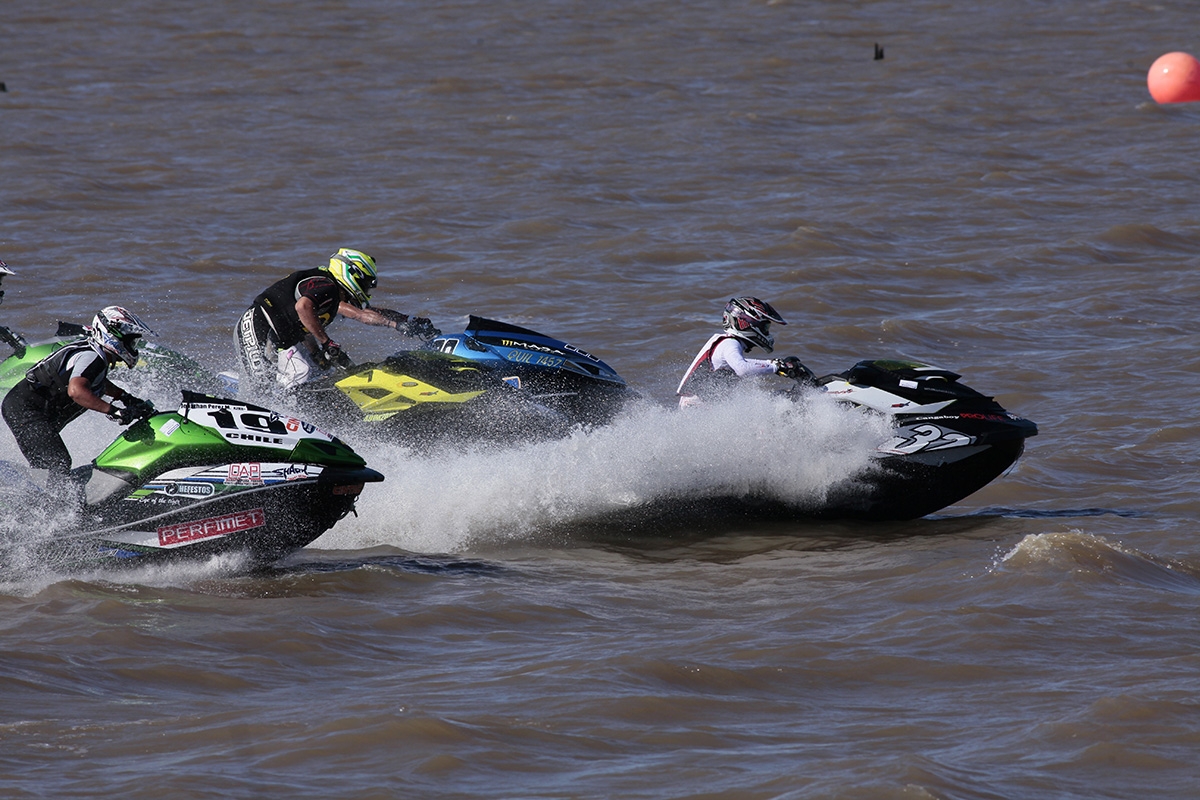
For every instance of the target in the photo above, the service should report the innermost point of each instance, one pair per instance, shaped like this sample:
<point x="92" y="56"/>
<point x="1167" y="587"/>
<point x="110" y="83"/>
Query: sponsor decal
<point x="244" y="475"/>
<point x="988" y="417"/>
<point x="191" y="488"/>
<point x="295" y="472"/>
<point x="185" y="532"/>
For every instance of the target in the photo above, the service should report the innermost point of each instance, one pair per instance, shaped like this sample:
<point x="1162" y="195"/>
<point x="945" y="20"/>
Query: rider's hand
<point x="332" y="353"/>
<point x="138" y="407"/>
<point x="121" y="416"/>
<point x="421" y="328"/>
<point x="791" y="367"/>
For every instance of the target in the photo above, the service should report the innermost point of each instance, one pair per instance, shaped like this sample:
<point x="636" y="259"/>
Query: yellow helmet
<point x="354" y="271"/>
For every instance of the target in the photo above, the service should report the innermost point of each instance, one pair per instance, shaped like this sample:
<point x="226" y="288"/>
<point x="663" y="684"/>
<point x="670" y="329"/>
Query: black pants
<point x="36" y="422"/>
<point x="258" y="349"/>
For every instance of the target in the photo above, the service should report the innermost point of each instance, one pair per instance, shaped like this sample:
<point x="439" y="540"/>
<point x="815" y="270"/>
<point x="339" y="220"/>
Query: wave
<point x="1102" y="557"/>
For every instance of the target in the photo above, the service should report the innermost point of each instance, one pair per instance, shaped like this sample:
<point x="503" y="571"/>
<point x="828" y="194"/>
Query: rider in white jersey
<point x="746" y="324"/>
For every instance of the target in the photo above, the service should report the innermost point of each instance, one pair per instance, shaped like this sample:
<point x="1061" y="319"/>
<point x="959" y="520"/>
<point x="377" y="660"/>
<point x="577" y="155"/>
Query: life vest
<point x="50" y="374"/>
<point x="702" y="379"/>
<point x="278" y="303"/>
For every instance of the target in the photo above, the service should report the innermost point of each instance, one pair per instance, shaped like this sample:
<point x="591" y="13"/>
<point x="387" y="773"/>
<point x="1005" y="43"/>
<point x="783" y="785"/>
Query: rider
<point x="74" y="379"/>
<point x="746" y="324"/>
<point x="4" y="270"/>
<point x="287" y="323"/>
<point x="10" y="338"/>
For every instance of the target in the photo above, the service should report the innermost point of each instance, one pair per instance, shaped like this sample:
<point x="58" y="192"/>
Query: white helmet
<point x="749" y="319"/>
<point x="116" y="330"/>
<point x="4" y="270"/>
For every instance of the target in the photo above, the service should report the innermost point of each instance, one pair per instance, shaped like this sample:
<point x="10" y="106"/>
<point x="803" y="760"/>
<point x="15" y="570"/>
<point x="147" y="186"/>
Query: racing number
<point x="249" y="421"/>
<point x="915" y="438"/>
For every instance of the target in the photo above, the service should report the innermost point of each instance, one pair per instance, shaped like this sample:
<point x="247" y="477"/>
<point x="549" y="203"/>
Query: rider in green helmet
<point x="282" y="338"/>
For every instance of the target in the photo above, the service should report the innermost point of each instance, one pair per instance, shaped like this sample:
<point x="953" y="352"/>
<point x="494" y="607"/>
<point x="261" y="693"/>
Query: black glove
<point x="332" y="353"/>
<point x="421" y="328"/>
<point x="140" y="408"/>
<point x="135" y="409"/>
<point x="121" y="416"/>
<point x="791" y="367"/>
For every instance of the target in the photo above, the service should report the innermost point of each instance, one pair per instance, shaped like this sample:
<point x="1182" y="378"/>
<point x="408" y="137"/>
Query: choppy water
<point x="998" y="195"/>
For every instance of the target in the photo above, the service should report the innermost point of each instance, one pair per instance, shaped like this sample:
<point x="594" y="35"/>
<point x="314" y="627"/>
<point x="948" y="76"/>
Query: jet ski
<point x="948" y="440"/>
<point x="422" y="399"/>
<point x="493" y="382"/>
<point x="557" y="373"/>
<point x="215" y="477"/>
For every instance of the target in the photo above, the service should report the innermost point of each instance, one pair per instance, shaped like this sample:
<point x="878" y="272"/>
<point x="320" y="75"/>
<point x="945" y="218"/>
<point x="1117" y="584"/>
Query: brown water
<point x="998" y="195"/>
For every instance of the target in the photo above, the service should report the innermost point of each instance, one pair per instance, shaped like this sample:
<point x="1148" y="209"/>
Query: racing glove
<point x="332" y="353"/>
<point x="421" y="328"/>
<point x="134" y="409"/>
<point x="138" y="406"/>
<point x="791" y="367"/>
<point x="121" y="416"/>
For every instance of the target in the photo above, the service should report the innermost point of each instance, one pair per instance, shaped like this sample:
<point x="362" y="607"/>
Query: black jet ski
<point x="949" y="440"/>
<point x="216" y="477"/>
<point x="946" y="442"/>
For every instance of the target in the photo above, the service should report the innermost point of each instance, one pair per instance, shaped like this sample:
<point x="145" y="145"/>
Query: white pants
<point x="296" y="367"/>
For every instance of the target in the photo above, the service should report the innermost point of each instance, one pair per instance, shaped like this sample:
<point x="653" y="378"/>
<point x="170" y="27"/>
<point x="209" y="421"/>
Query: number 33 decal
<point x="915" y="438"/>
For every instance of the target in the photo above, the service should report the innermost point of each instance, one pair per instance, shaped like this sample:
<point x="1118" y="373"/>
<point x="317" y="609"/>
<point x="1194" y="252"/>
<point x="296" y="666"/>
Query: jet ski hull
<point x="218" y="477"/>
<point x="194" y="514"/>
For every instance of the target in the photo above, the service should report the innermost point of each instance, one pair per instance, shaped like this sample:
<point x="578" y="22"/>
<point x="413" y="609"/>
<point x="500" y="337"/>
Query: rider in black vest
<point x="60" y="387"/>
<point x="282" y="336"/>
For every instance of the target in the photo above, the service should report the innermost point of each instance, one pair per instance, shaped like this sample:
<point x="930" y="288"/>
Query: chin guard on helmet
<point x="749" y="319"/>
<point x="117" y="330"/>
<point x="355" y="272"/>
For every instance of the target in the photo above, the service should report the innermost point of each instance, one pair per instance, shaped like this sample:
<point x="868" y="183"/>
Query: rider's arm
<point x="728" y="352"/>
<point x="369" y="316"/>
<point x="306" y="309"/>
<point x="80" y="390"/>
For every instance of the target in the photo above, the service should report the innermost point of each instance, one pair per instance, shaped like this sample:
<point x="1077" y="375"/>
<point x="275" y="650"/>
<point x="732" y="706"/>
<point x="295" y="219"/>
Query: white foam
<point x="752" y="443"/>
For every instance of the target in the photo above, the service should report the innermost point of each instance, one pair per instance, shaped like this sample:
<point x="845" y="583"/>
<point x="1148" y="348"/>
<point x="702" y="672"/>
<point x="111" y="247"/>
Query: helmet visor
<point x="365" y="280"/>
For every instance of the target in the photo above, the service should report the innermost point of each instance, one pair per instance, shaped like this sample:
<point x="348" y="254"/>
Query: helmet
<point x="4" y="270"/>
<point x="354" y="271"/>
<point x="116" y="331"/>
<point x="749" y="319"/>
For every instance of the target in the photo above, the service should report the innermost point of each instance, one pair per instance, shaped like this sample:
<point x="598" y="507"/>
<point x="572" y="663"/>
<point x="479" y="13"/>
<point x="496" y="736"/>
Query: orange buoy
<point x="1175" y="78"/>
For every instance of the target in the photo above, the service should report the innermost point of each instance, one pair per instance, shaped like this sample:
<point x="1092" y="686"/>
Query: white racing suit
<point x="721" y="360"/>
